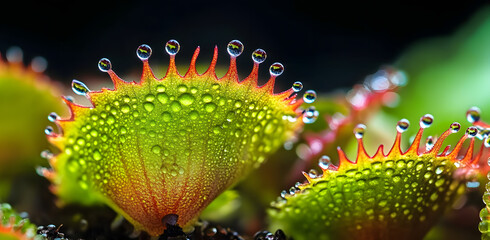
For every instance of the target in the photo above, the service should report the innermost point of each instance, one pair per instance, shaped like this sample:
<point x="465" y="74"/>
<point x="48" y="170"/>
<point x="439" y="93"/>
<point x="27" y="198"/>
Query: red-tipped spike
<point x="414" y="148"/>
<point x="307" y="176"/>
<point x="342" y="157"/>
<point x="232" y="73"/>
<point x="253" y="77"/>
<point x="396" y="148"/>
<point x="454" y="154"/>
<point x="437" y="146"/>
<point x="468" y="157"/>
<point x="147" y="72"/>
<point x="362" y="155"/>
<point x="379" y="153"/>
<point x="269" y="85"/>
<point x="212" y="66"/>
<point x="192" y="67"/>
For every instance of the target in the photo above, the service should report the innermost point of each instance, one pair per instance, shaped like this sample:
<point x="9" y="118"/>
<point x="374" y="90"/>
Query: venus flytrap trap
<point x="23" y="88"/>
<point x="164" y="147"/>
<point x="399" y="195"/>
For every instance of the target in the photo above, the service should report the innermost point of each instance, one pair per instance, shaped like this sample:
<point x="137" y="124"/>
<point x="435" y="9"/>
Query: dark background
<point x="325" y="44"/>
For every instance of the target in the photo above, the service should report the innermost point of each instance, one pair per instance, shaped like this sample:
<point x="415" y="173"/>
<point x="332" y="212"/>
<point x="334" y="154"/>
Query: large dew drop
<point x="276" y="69"/>
<point x="473" y="114"/>
<point x="235" y="48"/>
<point x="297" y="86"/>
<point x="104" y="65"/>
<point x="309" y="96"/>
<point x="426" y="121"/>
<point x="402" y="125"/>
<point x="455" y="126"/>
<point x="79" y="87"/>
<point x="259" y="56"/>
<point x="172" y="47"/>
<point x="143" y="52"/>
<point x="359" y="131"/>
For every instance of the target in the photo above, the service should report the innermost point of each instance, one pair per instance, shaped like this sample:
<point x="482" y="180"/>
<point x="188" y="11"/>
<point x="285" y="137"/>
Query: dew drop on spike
<point x="359" y="130"/>
<point x="487" y="143"/>
<point x="297" y="86"/>
<point x="49" y="130"/>
<point x="429" y="143"/>
<point x="104" y="65"/>
<point x="312" y="173"/>
<point x="235" y="48"/>
<point x="46" y="154"/>
<point x="402" y="125"/>
<point x="310" y="115"/>
<point x="473" y="114"/>
<point x="472" y="131"/>
<point x="259" y="55"/>
<point x="309" y="96"/>
<point x="284" y="193"/>
<point x="426" y="121"/>
<point x="52" y="117"/>
<point x="79" y="87"/>
<point x="276" y="69"/>
<point x="143" y="52"/>
<point x="172" y="47"/>
<point x="455" y="127"/>
<point x="324" y="162"/>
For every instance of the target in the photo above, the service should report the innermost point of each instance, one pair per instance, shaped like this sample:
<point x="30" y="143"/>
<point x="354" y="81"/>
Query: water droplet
<point x="97" y="155"/>
<point x="472" y="131"/>
<point x="149" y="106"/>
<point x="166" y="116"/>
<point x="79" y="87"/>
<point x="426" y="121"/>
<point x="52" y="117"/>
<point x="172" y="47"/>
<point x="297" y="86"/>
<point x="310" y="115"/>
<point x="487" y="142"/>
<point x="39" y="64"/>
<point x="186" y="99"/>
<point x="143" y="52"/>
<point x="284" y="193"/>
<point x="210" y="107"/>
<point x="309" y="96"/>
<point x="359" y="130"/>
<point x="162" y="98"/>
<point x="156" y="149"/>
<point x="235" y="48"/>
<point x="313" y="173"/>
<point x="46" y="154"/>
<point x="259" y="56"/>
<point x="455" y="126"/>
<point x="49" y="130"/>
<point x="14" y="54"/>
<point x="175" y="106"/>
<point x="125" y="108"/>
<point x="429" y="144"/>
<point x="276" y="69"/>
<point x="207" y="98"/>
<point x="473" y="114"/>
<point x="104" y="65"/>
<point x="402" y="125"/>
<point x="324" y="162"/>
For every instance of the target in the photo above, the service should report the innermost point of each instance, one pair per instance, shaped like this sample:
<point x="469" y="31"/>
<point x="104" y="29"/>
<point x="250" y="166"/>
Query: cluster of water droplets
<point x="384" y="82"/>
